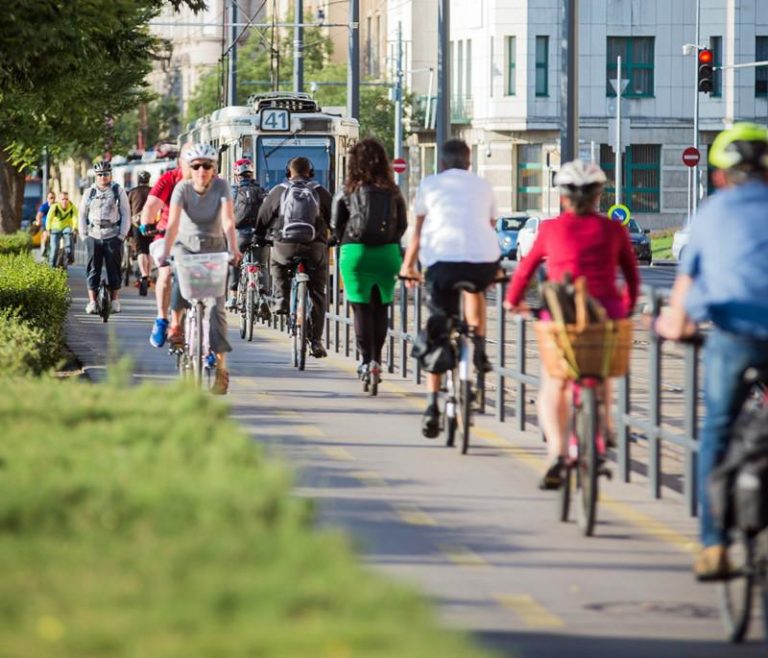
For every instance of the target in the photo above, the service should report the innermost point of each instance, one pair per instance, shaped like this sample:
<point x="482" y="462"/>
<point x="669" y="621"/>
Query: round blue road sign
<point x="619" y="213"/>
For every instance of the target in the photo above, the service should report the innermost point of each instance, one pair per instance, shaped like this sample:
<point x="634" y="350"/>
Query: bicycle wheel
<point x="449" y="409"/>
<point x="104" y="301"/>
<point x="241" y="289"/>
<point x="564" y="501"/>
<point x="587" y="427"/>
<point x="374" y="373"/>
<point x="761" y="576"/>
<point x="125" y="264"/>
<point x="736" y="594"/>
<point x="197" y="354"/>
<point x="250" y="310"/>
<point x="465" y="412"/>
<point x="301" y="324"/>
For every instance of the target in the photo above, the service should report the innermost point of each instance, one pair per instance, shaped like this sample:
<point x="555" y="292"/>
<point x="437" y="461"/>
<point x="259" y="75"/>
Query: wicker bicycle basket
<point x="595" y="350"/>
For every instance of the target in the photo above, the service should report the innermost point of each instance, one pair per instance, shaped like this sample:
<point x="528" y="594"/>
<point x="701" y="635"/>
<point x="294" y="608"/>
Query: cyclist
<point x="137" y="198"/>
<point x="104" y="222"/>
<point x="62" y="223"/>
<point x="295" y="217"/>
<point x="40" y="217"/>
<point x="196" y="224"/>
<point x="579" y="242"/>
<point x="723" y="278"/>
<point x="158" y="203"/>
<point x="247" y="197"/>
<point x="369" y="218"/>
<point x="455" y="239"/>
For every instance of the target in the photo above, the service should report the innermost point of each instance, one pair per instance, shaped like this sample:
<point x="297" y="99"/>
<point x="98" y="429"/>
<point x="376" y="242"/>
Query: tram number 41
<point x="275" y="119"/>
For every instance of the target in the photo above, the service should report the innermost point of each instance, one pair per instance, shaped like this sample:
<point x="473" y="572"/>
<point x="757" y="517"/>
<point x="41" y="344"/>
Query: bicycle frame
<point x="196" y="351"/>
<point x="300" y="313"/>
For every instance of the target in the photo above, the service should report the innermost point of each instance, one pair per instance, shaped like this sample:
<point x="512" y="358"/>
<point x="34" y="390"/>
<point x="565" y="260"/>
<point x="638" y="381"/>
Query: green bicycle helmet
<point x="743" y="147"/>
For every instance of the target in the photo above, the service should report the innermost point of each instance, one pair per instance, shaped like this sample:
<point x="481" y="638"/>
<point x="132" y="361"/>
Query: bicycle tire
<point x="564" y="499"/>
<point x="587" y="426"/>
<point x="241" y="288"/>
<point x="197" y="361"/>
<point x="301" y="324"/>
<point x="449" y="409"/>
<point x="761" y="547"/>
<point x="250" y="308"/>
<point x="125" y="264"/>
<point x="465" y="406"/>
<point x="104" y="301"/>
<point x="736" y="596"/>
<point x="373" y="383"/>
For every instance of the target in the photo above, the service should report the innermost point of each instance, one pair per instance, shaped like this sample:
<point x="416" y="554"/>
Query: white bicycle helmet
<point x="103" y="167"/>
<point x="200" y="151"/>
<point x="578" y="175"/>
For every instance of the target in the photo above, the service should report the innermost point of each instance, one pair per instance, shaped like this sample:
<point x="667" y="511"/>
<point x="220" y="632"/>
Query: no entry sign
<point x="691" y="156"/>
<point x="399" y="165"/>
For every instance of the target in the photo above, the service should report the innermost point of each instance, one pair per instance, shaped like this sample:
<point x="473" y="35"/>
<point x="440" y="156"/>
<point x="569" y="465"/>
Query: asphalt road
<point x="472" y="532"/>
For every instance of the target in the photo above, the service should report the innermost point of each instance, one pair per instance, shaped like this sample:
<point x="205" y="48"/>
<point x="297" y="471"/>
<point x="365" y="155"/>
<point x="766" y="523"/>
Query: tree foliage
<point x="68" y="67"/>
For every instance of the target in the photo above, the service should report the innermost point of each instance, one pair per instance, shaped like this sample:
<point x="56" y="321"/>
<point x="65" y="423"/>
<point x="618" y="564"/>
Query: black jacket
<point x="269" y="223"/>
<point x="368" y="201"/>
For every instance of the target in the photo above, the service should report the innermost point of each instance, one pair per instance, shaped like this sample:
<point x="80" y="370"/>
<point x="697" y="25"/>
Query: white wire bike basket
<point x="202" y="275"/>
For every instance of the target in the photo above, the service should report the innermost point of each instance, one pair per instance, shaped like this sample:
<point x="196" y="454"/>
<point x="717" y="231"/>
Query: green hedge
<point x="22" y="346"/>
<point x="40" y="297"/>
<point x="16" y="243"/>
<point x="143" y="522"/>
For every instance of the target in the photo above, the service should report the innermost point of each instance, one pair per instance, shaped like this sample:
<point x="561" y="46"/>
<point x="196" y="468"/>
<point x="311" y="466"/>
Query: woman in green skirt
<point x="368" y="220"/>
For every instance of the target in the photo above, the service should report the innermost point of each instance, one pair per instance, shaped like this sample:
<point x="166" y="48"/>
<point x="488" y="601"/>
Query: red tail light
<point x="253" y="269"/>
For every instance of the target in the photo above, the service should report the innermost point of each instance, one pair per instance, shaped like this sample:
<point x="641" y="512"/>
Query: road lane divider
<point x="412" y="515"/>
<point x="463" y="556"/>
<point x="529" y="611"/>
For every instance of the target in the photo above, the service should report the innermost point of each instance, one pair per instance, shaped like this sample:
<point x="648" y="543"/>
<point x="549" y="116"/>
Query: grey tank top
<point x="201" y="229"/>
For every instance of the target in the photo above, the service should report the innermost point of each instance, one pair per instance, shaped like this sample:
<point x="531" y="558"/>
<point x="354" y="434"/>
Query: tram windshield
<point x="274" y="152"/>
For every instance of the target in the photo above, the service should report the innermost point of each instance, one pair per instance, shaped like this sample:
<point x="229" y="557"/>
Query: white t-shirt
<point x="459" y="208"/>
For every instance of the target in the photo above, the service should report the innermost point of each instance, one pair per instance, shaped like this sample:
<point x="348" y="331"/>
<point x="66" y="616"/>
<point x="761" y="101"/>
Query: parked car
<point x="527" y="235"/>
<point x="507" y="229"/>
<point x="679" y="241"/>
<point x="641" y="243"/>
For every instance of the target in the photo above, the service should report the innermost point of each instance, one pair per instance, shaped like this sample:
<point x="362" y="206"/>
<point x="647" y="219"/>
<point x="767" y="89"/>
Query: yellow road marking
<point x="414" y="516"/>
<point x="339" y="453"/>
<point x="308" y="430"/>
<point x="463" y="556"/>
<point x="370" y="478"/>
<point x="530" y="611"/>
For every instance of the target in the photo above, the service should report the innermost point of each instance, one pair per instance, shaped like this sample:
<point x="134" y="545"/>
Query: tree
<point x="68" y="69"/>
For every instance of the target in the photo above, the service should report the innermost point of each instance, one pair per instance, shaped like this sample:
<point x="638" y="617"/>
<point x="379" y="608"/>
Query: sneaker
<point x="430" y="422"/>
<point x="231" y="304"/>
<point x="712" y="564"/>
<point x="92" y="309"/>
<point x="221" y="383"/>
<point x="159" y="331"/>
<point x="362" y="371"/>
<point x="176" y="335"/>
<point x="553" y="478"/>
<point x="317" y="349"/>
<point x="143" y="286"/>
<point x="115" y="307"/>
<point x="70" y="258"/>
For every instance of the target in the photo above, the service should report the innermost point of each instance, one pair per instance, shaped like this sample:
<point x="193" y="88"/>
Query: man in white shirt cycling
<point x="455" y="240"/>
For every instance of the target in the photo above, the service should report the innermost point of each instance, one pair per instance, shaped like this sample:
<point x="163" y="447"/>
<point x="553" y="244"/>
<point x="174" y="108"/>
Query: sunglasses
<point x="205" y="165"/>
<point x="104" y="175"/>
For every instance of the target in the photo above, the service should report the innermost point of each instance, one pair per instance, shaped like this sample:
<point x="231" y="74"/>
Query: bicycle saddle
<point x="466" y="286"/>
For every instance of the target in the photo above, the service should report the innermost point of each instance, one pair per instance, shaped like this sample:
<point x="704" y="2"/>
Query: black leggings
<point x="371" y="323"/>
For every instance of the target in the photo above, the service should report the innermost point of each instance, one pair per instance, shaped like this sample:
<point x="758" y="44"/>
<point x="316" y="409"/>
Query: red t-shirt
<point x="163" y="190"/>
<point x="589" y="245"/>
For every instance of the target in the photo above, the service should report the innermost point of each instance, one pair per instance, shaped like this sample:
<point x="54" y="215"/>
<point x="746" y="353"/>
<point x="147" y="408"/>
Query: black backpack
<point x="738" y="488"/>
<point x="372" y="216"/>
<point x="299" y="212"/>
<point x="248" y="200"/>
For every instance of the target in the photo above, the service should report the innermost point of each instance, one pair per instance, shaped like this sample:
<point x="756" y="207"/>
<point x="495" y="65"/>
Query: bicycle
<point x="300" y="313"/>
<point x="65" y="247"/>
<point x="104" y="299"/>
<point x="128" y="262"/>
<point x="250" y="299"/>
<point x="201" y="277"/>
<point x="737" y="593"/>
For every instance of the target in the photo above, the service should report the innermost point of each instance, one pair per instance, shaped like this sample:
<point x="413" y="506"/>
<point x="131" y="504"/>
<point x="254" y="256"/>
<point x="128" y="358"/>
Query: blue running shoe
<point x="159" y="332"/>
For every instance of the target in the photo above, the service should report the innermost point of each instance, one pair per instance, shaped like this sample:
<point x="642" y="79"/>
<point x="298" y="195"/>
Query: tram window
<point x="274" y="153"/>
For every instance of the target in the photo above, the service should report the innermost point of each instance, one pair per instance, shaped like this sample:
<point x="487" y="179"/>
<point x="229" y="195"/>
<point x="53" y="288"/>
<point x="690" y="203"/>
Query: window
<point x="530" y="177"/>
<point x="377" y="48"/>
<point x="369" y="48"/>
<point x="468" y="76"/>
<point x="761" y="72"/>
<point x="511" y="81"/>
<point x="542" y="66"/>
<point x="716" y="45"/>
<point x="641" y="173"/>
<point x="636" y="65"/>
<point x="490" y="71"/>
<point x="459" y="69"/>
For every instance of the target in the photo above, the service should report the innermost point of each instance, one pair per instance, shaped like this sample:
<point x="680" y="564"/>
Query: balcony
<point x="424" y="110"/>
<point x="461" y="109"/>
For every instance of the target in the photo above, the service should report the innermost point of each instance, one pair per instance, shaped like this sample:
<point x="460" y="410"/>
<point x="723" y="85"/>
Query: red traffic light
<point x="706" y="56"/>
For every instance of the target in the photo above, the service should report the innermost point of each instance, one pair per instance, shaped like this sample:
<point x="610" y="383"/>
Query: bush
<point x="40" y="296"/>
<point x="16" y="243"/>
<point x="174" y="538"/>
<point x="22" y="346"/>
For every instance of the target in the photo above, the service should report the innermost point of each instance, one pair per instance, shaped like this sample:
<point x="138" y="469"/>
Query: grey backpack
<point x="299" y="212"/>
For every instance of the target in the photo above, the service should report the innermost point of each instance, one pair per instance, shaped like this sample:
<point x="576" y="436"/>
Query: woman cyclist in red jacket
<point x="582" y="243"/>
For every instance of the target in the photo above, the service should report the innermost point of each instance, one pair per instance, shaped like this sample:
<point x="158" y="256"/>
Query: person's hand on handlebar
<point x="521" y="308"/>
<point x="236" y="256"/>
<point x="411" y="276"/>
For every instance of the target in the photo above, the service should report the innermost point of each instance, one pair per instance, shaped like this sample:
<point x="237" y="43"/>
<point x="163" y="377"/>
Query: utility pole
<point x="443" y="106"/>
<point x="353" y="70"/>
<point x="232" y="77"/>
<point x="399" y="100"/>
<point x="298" y="48"/>
<point x="617" y="165"/>
<point x="569" y="85"/>
<point x="695" y="196"/>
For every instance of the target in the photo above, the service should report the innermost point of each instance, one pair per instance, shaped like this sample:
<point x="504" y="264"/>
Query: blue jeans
<point x="726" y="357"/>
<point x="65" y="237"/>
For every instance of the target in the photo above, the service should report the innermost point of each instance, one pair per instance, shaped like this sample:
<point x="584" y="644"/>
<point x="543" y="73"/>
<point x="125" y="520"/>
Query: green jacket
<point x="59" y="219"/>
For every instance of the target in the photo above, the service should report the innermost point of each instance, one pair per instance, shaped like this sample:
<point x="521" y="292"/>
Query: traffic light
<point x="706" y="72"/>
